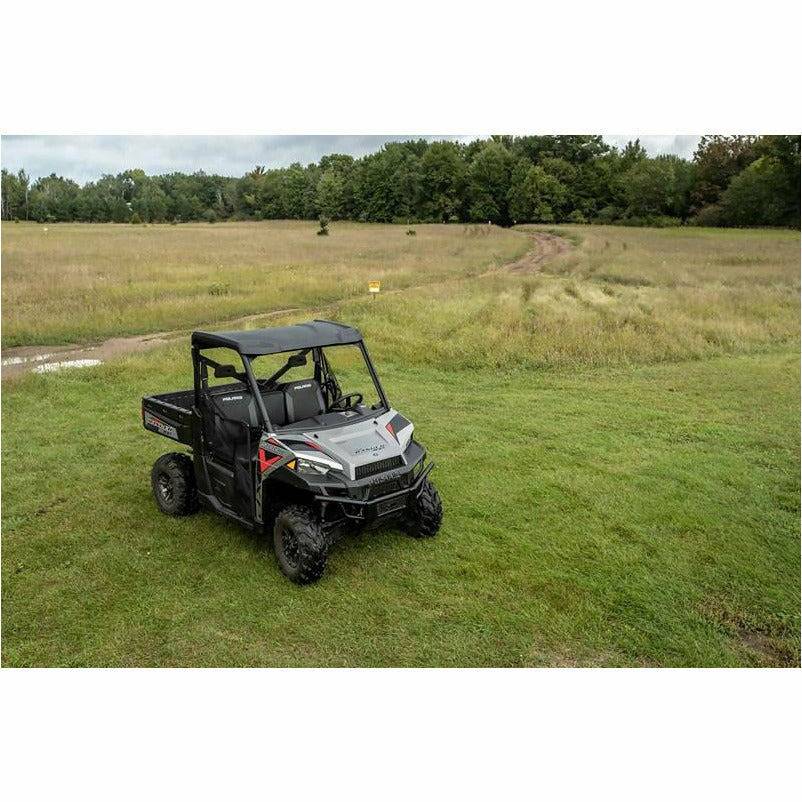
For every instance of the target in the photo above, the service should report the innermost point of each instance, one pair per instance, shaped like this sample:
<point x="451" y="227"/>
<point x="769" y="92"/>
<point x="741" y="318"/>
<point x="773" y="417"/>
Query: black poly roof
<point x="313" y="334"/>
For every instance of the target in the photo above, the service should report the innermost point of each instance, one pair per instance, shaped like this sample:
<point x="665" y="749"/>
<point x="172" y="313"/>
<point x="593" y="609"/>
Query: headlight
<point x="309" y="467"/>
<point x="313" y="463"/>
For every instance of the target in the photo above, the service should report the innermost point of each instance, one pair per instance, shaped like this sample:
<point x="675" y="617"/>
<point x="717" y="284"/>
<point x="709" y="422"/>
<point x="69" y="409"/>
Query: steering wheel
<point x="338" y="401"/>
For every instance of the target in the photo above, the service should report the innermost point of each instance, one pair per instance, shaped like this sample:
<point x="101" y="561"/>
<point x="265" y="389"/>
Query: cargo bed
<point x="170" y="414"/>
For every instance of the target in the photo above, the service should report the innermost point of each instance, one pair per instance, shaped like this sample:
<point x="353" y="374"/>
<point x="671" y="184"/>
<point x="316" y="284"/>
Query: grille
<point x="382" y="465"/>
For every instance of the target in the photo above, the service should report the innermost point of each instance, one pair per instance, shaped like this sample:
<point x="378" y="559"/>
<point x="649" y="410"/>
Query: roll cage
<point x="299" y="340"/>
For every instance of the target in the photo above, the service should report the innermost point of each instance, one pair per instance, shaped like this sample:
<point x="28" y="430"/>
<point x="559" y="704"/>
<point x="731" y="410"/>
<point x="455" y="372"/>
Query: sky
<point x="86" y="158"/>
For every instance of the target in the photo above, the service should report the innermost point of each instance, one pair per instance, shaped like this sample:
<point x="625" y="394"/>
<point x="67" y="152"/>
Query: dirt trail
<point x="52" y="358"/>
<point x="547" y="247"/>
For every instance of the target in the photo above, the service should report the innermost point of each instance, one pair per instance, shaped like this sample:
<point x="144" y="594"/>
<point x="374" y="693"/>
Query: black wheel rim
<point x="165" y="488"/>
<point x="289" y="546"/>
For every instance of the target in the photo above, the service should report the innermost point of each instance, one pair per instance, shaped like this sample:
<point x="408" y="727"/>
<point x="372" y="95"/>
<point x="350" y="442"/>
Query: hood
<point x="356" y="444"/>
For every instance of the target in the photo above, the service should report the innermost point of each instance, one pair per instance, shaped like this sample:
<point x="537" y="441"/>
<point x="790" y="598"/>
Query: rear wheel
<point x="426" y="512"/>
<point x="173" y="483"/>
<point x="300" y="545"/>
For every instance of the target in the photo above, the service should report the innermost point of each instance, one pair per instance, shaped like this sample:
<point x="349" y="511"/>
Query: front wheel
<point x="300" y="545"/>
<point x="426" y="512"/>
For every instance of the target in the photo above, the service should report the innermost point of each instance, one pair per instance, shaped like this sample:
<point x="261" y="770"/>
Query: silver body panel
<point x="355" y="444"/>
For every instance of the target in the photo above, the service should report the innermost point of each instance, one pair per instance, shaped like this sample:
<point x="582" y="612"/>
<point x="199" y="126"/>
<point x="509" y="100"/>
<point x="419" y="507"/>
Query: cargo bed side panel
<point x="167" y="419"/>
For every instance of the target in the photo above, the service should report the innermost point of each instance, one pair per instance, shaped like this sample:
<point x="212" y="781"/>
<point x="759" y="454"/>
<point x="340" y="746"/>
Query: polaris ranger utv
<point x="299" y="459"/>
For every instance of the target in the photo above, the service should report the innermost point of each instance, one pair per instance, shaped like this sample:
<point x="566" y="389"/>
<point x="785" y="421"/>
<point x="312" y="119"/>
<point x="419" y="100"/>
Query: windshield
<point x="317" y="382"/>
<point x="348" y="368"/>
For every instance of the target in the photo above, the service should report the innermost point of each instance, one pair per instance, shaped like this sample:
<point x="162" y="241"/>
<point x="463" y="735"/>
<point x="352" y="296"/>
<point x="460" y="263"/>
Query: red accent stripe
<point x="264" y="462"/>
<point x="390" y="429"/>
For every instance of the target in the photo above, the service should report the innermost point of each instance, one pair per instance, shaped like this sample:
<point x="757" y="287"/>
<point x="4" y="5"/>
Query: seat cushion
<point x="304" y="400"/>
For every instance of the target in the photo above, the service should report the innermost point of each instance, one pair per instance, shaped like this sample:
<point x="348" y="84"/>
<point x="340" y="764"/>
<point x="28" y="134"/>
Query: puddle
<point x="54" y="367"/>
<point x="21" y="360"/>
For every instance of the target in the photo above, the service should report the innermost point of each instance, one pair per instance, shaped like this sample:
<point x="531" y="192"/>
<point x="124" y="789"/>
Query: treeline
<point x="731" y="181"/>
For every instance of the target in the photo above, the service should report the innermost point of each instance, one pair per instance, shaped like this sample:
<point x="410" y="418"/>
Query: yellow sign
<point x="374" y="286"/>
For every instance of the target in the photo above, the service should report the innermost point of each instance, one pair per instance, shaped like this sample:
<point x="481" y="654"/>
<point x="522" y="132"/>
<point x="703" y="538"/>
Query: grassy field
<point x="623" y="297"/>
<point x="79" y="283"/>
<point x="617" y="439"/>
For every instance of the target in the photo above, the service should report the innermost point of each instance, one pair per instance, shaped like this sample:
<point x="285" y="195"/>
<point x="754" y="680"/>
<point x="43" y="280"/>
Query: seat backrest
<point x="225" y="409"/>
<point x="275" y="407"/>
<point x="304" y="400"/>
<point x="234" y="404"/>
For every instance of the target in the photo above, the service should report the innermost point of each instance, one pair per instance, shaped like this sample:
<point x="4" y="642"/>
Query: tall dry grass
<point x="75" y="283"/>
<point x="623" y="296"/>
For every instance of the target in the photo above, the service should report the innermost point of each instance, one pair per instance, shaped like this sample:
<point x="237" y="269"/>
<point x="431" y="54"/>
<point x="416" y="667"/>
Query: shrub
<point x="665" y="221"/>
<point x="576" y="217"/>
<point x="174" y="221"/>
<point x="219" y="289"/>
<point x="210" y="216"/>
<point x="411" y="232"/>
<point x="323" y="231"/>
<point x="607" y="214"/>
<point x="709" y="215"/>
<point x="135" y="219"/>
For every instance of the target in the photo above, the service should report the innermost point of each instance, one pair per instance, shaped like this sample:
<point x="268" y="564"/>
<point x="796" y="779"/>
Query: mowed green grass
<point x="76" y="283"/>
<point x="607" y="517"/>
<point x="621" y="487"/>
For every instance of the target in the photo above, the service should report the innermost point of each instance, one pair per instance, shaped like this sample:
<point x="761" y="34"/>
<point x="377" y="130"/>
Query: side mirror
<point x="226" y="372"/>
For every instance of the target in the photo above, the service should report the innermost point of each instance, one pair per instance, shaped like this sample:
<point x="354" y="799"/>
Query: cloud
<point x="86" y="158"/>
<point x="677" y="144"/>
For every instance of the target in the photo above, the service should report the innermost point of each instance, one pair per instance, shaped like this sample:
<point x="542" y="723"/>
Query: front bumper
<point x="383" y="506"/>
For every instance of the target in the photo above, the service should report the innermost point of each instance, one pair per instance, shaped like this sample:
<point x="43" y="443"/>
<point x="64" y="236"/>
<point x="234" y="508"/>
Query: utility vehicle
<point x="291" y="434"/>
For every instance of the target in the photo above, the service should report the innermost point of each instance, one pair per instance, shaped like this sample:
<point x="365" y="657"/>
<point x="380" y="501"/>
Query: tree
<point x="518" y="203"/>
<point x="331" y="195"/>
<point x="718" y="159"/>
<point x="14" y="195"/>
<point x="756" y="196"/>
<point x="539" y="197"/>
<point x="567" y="174"/>
<point x="54" y="199"/>
<point x="270" y="195"/>
<point x="657" y="187"/>
<point x="388" y="183"/>
<point x="443" y="178"/>
<point x="502" y="179"/>
<point x="293" y="191"/>
<point x="684" y="174"/>
<point x="632" y="154"/>
<point x="648" y="188"/>
<point x="784" y="150"/>
<point x="598" y="187"/>
<point x="576" y="149"/>
<point x="342" y="166"/>
<point x="150" y="203"/>
<point x="490" y="183"/>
